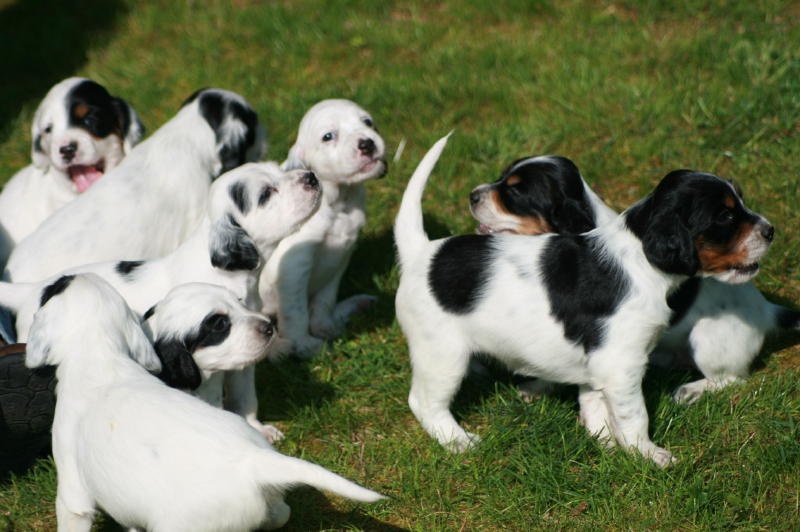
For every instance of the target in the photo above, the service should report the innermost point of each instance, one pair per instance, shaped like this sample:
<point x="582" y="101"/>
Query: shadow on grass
<point x="45" y="41"/>
<point x="311" y="510"/>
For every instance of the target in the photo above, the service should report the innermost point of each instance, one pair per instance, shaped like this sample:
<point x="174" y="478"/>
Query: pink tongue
<point x="84" y="176"/>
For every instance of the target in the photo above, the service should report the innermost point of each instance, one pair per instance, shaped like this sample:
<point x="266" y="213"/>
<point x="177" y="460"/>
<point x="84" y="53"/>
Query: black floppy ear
<point x="131" y="125"/>
<point x="572" y="218"/>
<point x="178" y="368"/>
<point x="230" y="246"/>
<point x="669" y="246"/>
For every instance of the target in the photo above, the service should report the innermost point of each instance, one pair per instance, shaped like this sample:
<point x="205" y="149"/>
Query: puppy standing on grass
<point x="720" y="326"/>
<point x="79" y="132"/>
<point x="583" y="309"/>
<point x="152" y="457"/>
<point x="251" y="208"/>
<point x="148" y="205"/>
<point x="338" y="142"/>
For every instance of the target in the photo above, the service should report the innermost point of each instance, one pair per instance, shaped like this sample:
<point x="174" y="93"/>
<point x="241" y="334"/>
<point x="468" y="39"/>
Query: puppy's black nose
<point x="474" y="197"/>
<point x="266" y="329"/>
<point x="310" y="180"/>
<point x="768" y="232"/>
<point x="366" y="146"/>
<point x="68" y="151"/>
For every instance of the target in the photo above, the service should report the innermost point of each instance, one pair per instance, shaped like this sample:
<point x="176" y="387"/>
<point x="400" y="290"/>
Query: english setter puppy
<point x="151" y="456"/>
<point x="721" y="327"/>
<point x="251" y="209"/>
<point x="583" y="309"/>
<point x="157" y="195"/>
<point x="337" y="140"/>
<point x="79" y="132"/>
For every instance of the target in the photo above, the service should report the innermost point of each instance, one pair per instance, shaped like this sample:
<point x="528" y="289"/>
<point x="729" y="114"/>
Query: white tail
<point x="409" y="232"/>
<point x="286" y="471"/>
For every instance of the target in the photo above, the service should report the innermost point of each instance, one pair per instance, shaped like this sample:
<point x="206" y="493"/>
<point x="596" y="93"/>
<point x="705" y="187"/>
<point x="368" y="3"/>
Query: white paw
<point x="662" y="457"/>
<point x="271" y="433"/>
<point x="687" y="394"/>
<point x="531" y="390"/>
<point x="462" y="443"/>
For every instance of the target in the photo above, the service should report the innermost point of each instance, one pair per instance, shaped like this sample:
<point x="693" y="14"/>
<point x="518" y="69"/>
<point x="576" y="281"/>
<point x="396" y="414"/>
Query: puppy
<point x="583" y="309"/>
<point x="149" y="203"/>
<point x="336" y="140"/>
<point x="251" y="209"/>
<point x="152" y="457"/>
<point x="79" y="132"/>
<point x="720" y="326"/>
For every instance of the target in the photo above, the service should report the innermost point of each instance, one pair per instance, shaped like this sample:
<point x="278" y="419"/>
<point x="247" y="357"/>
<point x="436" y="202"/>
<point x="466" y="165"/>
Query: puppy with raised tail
<point x="152" y="457"/>
<point x="251" y="209"/>
<point x="79" y="132"/>
<point x="336" y="140"/>
<point x="721" y="327"/>
<point x="583" y="309"/>
<point x="153" y="200"/>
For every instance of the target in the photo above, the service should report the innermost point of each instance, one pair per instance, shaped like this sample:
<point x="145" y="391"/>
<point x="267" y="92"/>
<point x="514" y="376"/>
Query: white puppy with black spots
<point x="582" y="309"/>
<point x="336" y="140"/>
<point x="147" y="205"/>
<point x="79" y="133"/>
<point x="251" y="209"/>
<point x="151" y="456"/>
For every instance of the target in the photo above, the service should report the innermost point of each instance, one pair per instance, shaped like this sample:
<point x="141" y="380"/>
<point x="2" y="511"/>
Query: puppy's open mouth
<point x="370" y="167"/>
<point x="84" y="175"/>
<point x="747" y="269"/>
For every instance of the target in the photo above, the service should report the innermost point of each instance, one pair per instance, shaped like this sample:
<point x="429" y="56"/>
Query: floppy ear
<point x="139" y="347"/>
<point x="230" y="246"/>
<point x="572" y="217"/>
<point x="294" y="160"/>
<point x="178" y="368"/>
<point x="37" y="350"/>
<point x="669" y="247"/>
<point x="132" y="126"/>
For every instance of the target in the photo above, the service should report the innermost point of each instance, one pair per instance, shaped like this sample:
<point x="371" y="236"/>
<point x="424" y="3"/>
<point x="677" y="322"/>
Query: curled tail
<point x="286" y="471"/>
<point x="409" y="232"/>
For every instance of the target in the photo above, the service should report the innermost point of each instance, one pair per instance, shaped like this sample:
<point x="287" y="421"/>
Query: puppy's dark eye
<point x="266" y="193"/>
<point x="89" y="121"/>
<point x="48" y="129"/>
<point x="327" y="137"/>
<point x="368" y="122"/>
<point x="217" y="323"/>
<point x="724" y="217"/>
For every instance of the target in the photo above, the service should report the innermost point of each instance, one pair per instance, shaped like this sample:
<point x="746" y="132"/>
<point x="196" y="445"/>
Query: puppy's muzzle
<point x="367" y="147"/>
<point x="68" y="151"/>
<point x="265" y="329"/>
<point x="310" y="181"/>
<point x="766" y="230"/>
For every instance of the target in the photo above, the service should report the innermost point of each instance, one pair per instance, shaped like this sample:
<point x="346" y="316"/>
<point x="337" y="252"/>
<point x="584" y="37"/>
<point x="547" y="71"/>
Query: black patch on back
<point x="55" y="288"/>
<point x="583" y="287"/>
<point x="459" y="272"/>
<point x="682" y="299"/>
<point x="238" y="251"/>
<point x="238" y="193"/>
<point x="125" y="268"/>
<point x="102" y="118"/>
<point x="215" y="107"/>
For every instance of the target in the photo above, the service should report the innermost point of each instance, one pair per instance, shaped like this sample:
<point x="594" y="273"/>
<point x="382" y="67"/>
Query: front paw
<point x="662" y="457"/>
<point x="307" y="347"/>
<point x="325" y="328"/>
<point x="271" y="433"/>
<point x="462" y="443"/>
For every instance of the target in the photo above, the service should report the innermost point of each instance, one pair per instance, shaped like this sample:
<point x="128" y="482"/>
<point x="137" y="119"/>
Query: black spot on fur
<point x="583" y="287"/>
<point x="55" y="288"/>
<point x="232" y="249"/>
<point x="149" y="313"/>
<point x="683" y="298"/>
<point x="98" y="114"/>
<point x="459" y="271"/>
<point x="215" y="107"/>
<point x="238" y="193"/>
<point x="37" y="144"/>
<point x="126" y="268"/>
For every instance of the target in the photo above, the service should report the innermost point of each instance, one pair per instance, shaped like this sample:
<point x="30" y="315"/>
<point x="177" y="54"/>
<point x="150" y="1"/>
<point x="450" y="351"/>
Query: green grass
<point x="629" y="90"/>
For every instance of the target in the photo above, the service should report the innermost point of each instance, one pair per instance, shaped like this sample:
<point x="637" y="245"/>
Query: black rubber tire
<point x="27" y="404"/>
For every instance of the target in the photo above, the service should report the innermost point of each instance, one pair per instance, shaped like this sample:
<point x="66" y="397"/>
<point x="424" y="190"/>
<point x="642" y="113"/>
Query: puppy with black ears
<point x="582" y="309"/>
<point x="150" y="203"/>
<point x="337" y="140"/>
<point x="720" y="327"/>
<point x="152" y="457"/>
<point x="79" y="132"/>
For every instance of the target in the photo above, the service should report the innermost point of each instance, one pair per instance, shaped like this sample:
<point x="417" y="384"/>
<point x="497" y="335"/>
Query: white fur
<point x="292" y="202"/>
<point x="300" y="282"/>
<point x="152" y="457"/>
<point x="513" y="323"/>
<point x="44" y="186"/>
<point x="143" y="208"/>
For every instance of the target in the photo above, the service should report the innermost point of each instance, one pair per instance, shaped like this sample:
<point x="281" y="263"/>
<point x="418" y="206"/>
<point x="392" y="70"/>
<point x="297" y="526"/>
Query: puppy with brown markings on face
<point x="583" y="309"/>
<point x="721" y="327"/>
<point x="79" y="133"/>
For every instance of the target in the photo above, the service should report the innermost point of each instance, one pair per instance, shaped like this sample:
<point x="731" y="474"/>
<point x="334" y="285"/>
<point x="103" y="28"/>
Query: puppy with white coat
<point x="79" y="132"/>
<point x="251" y="209"/>
<point x="582" y="309"/>
<point x="719" y="327"/>
<point x="152" y="457"/>
<point x="157" y="195"/>
<point x="337" y="141"/>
